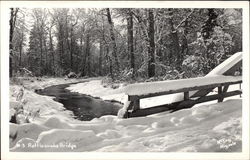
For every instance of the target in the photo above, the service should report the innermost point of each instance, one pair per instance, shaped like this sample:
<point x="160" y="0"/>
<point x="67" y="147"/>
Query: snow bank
<point x="93" y="87"/>
<point x="214" y="127"/>
<point x="38" y="107"/>
<point x="96" y="89"/>
<point x="32" y="83"/>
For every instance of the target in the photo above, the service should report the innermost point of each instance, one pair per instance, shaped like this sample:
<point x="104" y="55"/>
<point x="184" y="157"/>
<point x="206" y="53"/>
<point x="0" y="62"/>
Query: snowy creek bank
<point x="83" y="106"/>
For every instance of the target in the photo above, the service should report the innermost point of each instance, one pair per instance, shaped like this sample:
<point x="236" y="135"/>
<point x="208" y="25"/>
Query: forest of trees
<point x="125" y="43"/>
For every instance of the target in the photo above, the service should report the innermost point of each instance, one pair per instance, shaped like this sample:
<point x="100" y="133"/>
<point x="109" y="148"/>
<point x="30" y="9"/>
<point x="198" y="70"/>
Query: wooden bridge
<point x="193" y="90"/>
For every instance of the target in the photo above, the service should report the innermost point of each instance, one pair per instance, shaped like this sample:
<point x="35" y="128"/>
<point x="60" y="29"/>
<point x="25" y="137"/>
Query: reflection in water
<point x="84" y="107"/>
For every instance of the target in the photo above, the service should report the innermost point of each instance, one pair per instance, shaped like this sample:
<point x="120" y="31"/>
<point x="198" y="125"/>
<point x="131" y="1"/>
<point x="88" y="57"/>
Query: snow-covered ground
<point x="214" y="127"/>
<point x="205" y="127"/>
<point x="96" y="89"/>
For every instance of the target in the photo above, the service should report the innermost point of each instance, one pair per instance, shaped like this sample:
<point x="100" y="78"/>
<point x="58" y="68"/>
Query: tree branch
<point x="184" y="19"/>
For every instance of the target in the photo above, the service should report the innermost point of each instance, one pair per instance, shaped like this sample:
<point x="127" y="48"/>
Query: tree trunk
<point x="131" y="40"/>
<point x="151" y="47"/>
<point x="110" y="64"/>
<point x="209" y="25"/>
<point x="174" y="42"/>
<point x="81" y="48"/>
<point x="20" y="50"/>
<point x="206" y="32"/>
<point x="52" y="52"/>
<point x="61" y="44"/>
<point x="112" y="36"/>
<point x="176" y="50"/>
<point x="13" y="16"/>
<point x="46" y="56"/>
<point x="88" y="54"/>
<point x="41" y="55"/>
<point x="20" y="55"/>
<point x="184" y="44"/>
<point x="102" y="41"/>
<point x="71" y="48"/>
<point x="100" y="57"/>
<point x="84" y="59"/>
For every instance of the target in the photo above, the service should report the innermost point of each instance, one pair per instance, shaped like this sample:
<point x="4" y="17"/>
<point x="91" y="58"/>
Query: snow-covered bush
<point x="208" y="52"/>
<point x="24" y="72"/>
<point x="19" y="112"/>
<point x="173" y="74"/>
<point x="126" y="75"/>
<point x="106" y="81"/>
<point x="72" y="75"/>
<point x="192" y="66"/>
<point x="123" y="77"/>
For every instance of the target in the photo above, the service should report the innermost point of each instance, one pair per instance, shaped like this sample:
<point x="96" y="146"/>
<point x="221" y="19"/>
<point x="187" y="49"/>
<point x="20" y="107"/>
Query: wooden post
<point x="186" y="96"/>
<point x="220" y="99"/>
<point x="240" y="89"/>
<point x="136" y="104"/>
<point x="225" y="88"/>
<point x="124" y="112"/>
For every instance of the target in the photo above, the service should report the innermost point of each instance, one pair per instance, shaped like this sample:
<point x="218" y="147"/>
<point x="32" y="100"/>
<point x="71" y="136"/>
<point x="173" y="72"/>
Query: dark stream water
<point x="84" y="107"/>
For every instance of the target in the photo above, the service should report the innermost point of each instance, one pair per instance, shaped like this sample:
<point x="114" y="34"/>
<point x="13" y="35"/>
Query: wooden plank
<point x="225" y="88"/>
<point x="202" y="87"/>
<point x="207" y="98"/>
<point x="202" y="93"/>
<point x="152" y="110"/>
<point x="216" y="96"/>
